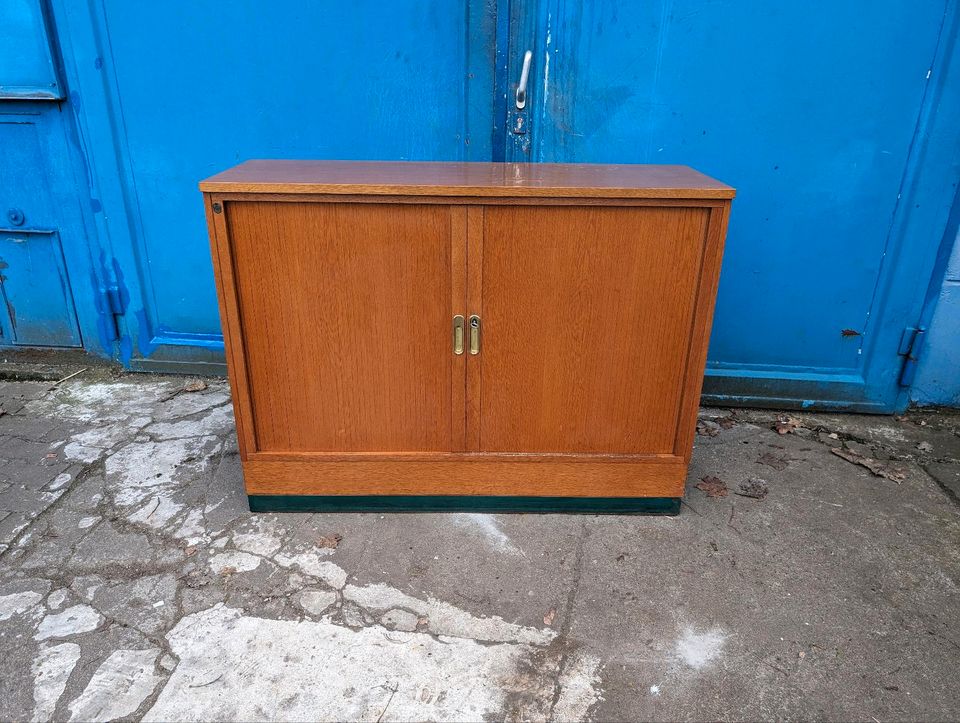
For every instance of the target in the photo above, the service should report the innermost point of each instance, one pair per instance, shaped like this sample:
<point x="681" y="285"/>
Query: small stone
<point x="168" y="662"/>
<point x="925" y="447"/>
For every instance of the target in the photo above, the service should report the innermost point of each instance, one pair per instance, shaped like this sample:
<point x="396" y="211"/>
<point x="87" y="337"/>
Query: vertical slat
<point x="232" y="329"/>
<point x="458" y="304"/>
<point x="700" y="331"/>
<point x="474" y="306"/>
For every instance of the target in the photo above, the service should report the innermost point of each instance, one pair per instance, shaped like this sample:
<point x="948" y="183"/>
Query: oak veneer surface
<point x="467" y="179"/>
<point x="585" y="319"/>
<point x="338" y="283"/>
<point x="346" y="316"/>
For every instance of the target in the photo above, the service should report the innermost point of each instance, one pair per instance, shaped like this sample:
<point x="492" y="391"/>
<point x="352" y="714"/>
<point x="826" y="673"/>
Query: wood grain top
<point x="413" y="178"/>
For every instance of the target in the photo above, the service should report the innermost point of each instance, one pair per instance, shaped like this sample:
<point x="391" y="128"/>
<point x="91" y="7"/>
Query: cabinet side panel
<point x="700" y="329"/>
<point x="230" y="322"/>
<point x="346" y="323"/>
<point x="586" y="324"/>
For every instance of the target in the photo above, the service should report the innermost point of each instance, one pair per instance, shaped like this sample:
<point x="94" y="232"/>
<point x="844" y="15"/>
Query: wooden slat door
<point x="586" y="317"/>
<point x="346" y="313"/>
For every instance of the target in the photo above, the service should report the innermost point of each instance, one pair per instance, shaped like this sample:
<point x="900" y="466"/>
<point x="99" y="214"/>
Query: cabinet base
<point x="466" y="503"/>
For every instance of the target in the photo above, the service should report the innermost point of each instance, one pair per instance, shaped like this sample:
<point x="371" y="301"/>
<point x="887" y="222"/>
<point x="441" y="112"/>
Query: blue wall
<point x="837" y="122"/>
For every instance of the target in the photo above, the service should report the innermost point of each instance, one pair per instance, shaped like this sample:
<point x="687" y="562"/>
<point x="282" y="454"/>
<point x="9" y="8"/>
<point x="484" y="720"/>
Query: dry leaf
<point x="195" y="386"/>
<point x="786" y="424"/>
<point x="754" y="487"/>
<point x="422" y="622"/>
<point x="712" y="486"/>
<point x="229" y="570"/>
<point x="777" y="460"/>
<point x="727" y="422"/>
<point x="190" y="550"/>
<point x="548" y="618"/>
<point x="707" y="428"/>
<point x="880" y="469"/>
<point x="330" y="542"/>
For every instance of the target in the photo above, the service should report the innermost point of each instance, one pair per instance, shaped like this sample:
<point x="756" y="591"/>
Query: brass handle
<point x="458" y="335"/>
<point x="474" y="334"/>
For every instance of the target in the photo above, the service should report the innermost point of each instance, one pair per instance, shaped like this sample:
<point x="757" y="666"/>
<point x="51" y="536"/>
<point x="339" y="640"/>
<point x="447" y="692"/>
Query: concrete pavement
<point x="135" y="583"/>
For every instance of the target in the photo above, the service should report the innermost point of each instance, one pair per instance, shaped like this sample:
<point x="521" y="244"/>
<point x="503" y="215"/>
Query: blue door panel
<point x="36" y="295"/>
<point x="44" y="240"/>
<point x="188" y="89"/>
<point x="811" y="111"/>
<point x="27" y="68"/>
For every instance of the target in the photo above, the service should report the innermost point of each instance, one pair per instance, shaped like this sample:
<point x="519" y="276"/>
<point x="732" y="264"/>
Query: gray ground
<point x="134" y="583"/>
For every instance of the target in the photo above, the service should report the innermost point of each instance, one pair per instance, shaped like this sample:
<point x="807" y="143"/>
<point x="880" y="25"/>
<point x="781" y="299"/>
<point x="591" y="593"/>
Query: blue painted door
<point x="835" y="121"/>
<point x="45" y="246"/>
<point x="170" y="93"/>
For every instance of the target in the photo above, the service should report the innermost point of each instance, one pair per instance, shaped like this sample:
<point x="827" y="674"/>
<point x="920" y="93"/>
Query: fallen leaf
<point x="229" y="570"/>
<point x="712" y="486"/>
<point x="422" y="621"/>
<point x="777" y="460"/>
<point x="727" y="422"/>
<point x="755" y="487"/>
<point x="786" y="424"/>
<point x="330" y="542"/>
<point x="190" y="550"/>
<point x="707" y="428"/>
<point x="195" y="386"/>
<point x="548" y="618"/>
<point x="880" y="469"/>
<point x="925" y="447"/>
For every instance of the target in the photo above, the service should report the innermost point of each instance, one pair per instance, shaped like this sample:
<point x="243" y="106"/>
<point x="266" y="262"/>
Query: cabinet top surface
<point x="410" y="178"/>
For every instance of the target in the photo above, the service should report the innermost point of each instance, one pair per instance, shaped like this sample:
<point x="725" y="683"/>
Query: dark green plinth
<point x="455" y="503"/>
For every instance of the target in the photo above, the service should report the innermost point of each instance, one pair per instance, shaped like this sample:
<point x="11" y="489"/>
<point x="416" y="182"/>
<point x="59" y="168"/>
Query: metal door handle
<point x="474" y="334"/>
<point x="458" y="335"/>
<point x="524" y="76"/>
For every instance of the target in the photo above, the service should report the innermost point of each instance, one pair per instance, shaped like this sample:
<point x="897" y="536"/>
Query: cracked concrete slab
<point x="135" y="583"/>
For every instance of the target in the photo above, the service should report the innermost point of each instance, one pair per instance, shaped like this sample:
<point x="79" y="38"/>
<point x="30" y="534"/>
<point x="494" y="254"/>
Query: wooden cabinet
<point x="430" y="331"/>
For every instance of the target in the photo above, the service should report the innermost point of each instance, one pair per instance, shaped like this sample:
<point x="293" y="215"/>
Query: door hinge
<point x="910" y="345"/>
<point x="112" y="299"/>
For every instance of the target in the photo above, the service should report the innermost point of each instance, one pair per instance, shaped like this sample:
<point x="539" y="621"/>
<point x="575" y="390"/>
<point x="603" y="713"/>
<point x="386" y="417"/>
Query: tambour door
<point x="587" y="314"/>
<point x="345" y="311"/>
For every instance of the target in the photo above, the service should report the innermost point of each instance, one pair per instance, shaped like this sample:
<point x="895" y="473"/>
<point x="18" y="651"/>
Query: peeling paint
<point x="122" y="682"/>
<point x="51" y="670"/>
<point x="17" y="603"/>
<point x="306" y="670"/>
<point x="72" y="621"/>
